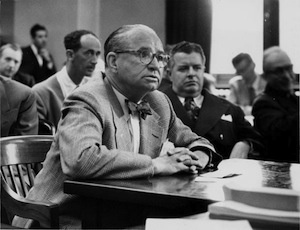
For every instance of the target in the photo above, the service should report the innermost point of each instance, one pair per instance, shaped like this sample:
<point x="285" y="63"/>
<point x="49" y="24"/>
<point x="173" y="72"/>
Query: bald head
<point x="120" y="38"/>
<point x="274" y="57"/>
<point x="278" y="69"/>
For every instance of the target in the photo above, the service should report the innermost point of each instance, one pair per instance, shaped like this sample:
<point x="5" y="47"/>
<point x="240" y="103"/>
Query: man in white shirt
<point x="82" y="51"/>
<point x="247" y="84"/>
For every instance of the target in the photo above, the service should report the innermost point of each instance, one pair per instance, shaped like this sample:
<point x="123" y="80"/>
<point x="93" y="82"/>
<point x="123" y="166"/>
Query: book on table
<point x="262" y="206"/>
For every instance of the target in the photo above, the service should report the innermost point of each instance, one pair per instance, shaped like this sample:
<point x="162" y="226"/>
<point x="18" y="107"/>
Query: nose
<point x="11" y="63"/>
<point x="94" y="59"/>
<point x="154" y="64"/>
<point x="191" y="71"/>
<point x="289" y="74"/>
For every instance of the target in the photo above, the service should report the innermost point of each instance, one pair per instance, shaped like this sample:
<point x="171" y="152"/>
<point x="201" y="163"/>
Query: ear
<point x="168" y="73"/>
<point x="70" y="54"/>
<point x="111" y="60"/>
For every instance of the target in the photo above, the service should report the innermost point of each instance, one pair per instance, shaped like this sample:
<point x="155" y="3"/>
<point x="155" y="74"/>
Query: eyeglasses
<point x="146" y="56"/>
<point x="281" y="70"/>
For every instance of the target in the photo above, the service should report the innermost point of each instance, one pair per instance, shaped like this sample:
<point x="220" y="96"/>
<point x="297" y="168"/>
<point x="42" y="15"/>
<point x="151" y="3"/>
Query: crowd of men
<point x="115" y="124"/>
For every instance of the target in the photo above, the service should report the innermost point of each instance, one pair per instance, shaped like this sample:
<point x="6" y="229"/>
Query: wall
<point x="63" y="16"/>
<point x="115" y="13"/>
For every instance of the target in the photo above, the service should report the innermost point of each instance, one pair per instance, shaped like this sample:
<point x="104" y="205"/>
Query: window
<point x="289" y="27"/>
<point x="237" y="26"/>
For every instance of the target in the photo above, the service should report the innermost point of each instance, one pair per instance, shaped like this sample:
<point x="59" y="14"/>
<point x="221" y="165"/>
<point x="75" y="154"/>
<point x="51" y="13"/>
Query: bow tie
<point x="143" y="108"/>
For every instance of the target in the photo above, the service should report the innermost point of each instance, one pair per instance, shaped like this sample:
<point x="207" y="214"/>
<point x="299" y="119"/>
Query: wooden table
<point x="125" y="203"/>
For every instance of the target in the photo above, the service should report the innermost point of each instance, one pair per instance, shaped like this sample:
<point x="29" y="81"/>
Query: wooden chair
<point x="46" y="127"/>
<point x="21" y="160"/>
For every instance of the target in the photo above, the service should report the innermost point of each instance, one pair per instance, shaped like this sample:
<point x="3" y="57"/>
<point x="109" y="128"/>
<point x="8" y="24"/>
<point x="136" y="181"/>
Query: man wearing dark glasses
<point x="276" y="111"/>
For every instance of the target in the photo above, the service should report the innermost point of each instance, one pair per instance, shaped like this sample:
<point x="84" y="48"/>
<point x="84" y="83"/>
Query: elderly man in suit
<point x="116" y="129"/>
<point x="220" y="121"/>
<point x="37" y="60"/>
<point x="18" y="109"/>
<point x="276" y="111"/>
<point x="83" y="49"/>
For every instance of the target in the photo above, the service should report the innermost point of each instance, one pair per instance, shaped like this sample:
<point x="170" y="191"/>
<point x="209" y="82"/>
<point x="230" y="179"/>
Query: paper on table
<point x="219" y="174"/>
<point x="191" y="224"/>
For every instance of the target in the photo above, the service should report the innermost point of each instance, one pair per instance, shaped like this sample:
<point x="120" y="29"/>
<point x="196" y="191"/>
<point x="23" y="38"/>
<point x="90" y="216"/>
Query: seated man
<point x="18" y="109"/>
<point x="115" y="129"/>
<point x="82" y="51"/>
<point x="212" y="117"/>
<point x="276" y="111"/>
<point x="10" y="60"/>
<point x="247" y="85"/>
<point x="37" y="60"/>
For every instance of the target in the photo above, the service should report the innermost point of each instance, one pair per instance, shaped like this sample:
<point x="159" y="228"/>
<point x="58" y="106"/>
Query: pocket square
<point x="226" y="117"/>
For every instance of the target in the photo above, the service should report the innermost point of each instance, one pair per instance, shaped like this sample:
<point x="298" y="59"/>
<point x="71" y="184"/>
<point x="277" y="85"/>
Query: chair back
<point x="46" y="127"/>
<point x="21" y="160"/>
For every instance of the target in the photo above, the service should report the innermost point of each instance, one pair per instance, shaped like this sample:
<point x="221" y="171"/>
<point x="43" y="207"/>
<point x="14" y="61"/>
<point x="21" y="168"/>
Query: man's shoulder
<point x="50" y="82"/>
<point x="13" y="87"/>
<point x="26" y="50"/>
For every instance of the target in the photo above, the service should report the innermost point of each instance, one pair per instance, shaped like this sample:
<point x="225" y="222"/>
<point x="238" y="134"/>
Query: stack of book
<point x="263" y="207"/>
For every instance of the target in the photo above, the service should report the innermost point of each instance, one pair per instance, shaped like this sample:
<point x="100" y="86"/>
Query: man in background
<point x="10" y="60"/>
<point x="83" y="49"/>
<point x="210" y="116"/>
<point x="247" y="85"/>
<point x="37" y="61"/>
<point x="276" y="111"/>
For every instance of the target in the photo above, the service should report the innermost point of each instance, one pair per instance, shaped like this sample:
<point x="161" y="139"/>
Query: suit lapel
<point x="210" y="113"/>
<point x="151" y="135"/>
<point x="4" y="100"/>
<point x="122" y="135"/>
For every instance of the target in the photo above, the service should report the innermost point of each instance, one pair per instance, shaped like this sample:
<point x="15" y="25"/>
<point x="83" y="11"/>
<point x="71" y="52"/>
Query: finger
<point x="193" y="169"/>
<point x="190" y="162"/>
<point x="193" y="155"/>
<point x="177" y="150"/>
<point x="183" y="158"/>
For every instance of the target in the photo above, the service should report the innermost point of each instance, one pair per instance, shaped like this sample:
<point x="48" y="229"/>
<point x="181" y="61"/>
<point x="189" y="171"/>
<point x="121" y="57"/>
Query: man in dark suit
<point x="116" y="129"/>
<point x="37" y="61"/>
<point x="212" y="117"/>
<point x="276" y="111"/>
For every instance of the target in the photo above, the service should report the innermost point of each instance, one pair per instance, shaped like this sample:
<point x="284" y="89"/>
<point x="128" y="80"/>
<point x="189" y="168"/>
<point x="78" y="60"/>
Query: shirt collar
<point x="121" y="99"/>
<point x="34" y="49"/>
<point x="66" y="83"/>
<point x="198" y="100"/>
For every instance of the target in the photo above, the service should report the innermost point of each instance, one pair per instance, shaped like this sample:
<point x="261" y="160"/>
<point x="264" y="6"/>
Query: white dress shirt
<point x="133" y="121"/>
<point x="37" y="55"/>
<point x="66" y="84"/>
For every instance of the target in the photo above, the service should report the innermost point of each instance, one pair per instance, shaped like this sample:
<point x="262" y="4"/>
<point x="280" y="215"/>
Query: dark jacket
<point x="276" y="117"/>
<point x="220" y="121"/>
<point x="31" y="66"/>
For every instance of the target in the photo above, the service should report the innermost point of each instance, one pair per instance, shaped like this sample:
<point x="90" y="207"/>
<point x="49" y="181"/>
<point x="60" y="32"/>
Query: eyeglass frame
<point x="139" y="53"/>
<point x="281" y="69"/>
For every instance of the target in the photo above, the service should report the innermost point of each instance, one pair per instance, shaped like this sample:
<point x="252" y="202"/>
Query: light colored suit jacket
<point x="93" y="141"/>
<point x="49" y="99"/>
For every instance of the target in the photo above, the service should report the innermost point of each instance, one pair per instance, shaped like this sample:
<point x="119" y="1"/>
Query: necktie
<point x="252" y="94"/>
<point x="191" y="108"/>
<point x="142" y="108"/>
